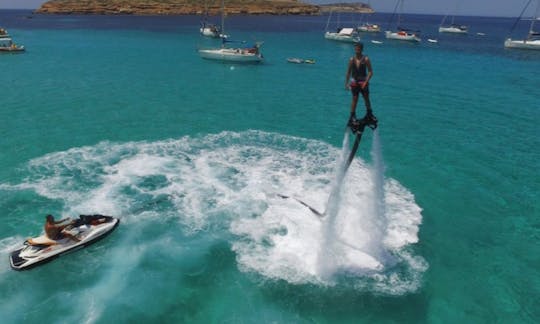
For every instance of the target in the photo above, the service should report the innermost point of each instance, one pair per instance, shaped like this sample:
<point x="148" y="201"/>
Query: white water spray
<point x="332" y="248"/>
<point x="328" y="257"/>
<point x="227" y="182"/>
<point x="379" y="209"/>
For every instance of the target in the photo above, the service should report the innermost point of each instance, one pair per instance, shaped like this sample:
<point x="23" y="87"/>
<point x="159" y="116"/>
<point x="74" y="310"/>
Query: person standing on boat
<point x="55" y="230"/>
<point x="359" y="72"/>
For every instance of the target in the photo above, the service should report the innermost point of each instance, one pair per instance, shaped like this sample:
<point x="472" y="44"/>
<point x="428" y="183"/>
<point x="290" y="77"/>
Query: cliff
<point x="188" y="7"/>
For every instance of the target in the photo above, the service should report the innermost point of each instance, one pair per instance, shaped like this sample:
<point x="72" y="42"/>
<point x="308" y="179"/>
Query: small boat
<point x="38" y="250"/>
<point x="532" y="41"/>
<point x="376" y="42"/>
<point x="7" y="45"/>
<point x="4" y="33"/>
<point x="431" y="40"/>
<point x="210" y="30"/>
<point x="480" y="34"/>
<point x="296" y="60"/>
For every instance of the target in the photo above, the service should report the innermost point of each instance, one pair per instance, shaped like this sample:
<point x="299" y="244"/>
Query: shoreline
<point x="182" y="7"/>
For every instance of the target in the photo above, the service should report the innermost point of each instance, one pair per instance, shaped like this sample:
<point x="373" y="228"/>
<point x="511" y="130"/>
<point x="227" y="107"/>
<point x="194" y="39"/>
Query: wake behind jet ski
<point x="82" y="232"/>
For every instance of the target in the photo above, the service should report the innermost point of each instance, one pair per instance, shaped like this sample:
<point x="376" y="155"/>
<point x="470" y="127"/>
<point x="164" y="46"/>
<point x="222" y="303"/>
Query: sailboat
<point x="348" y="35"/>
<point x="453" y="27"/>
<point x="367" y="27"/>
<point x="209" y="29"/>
<point x="533" y="38"/>
<point x="401" y="33"/>
<point x="246" y="54"/>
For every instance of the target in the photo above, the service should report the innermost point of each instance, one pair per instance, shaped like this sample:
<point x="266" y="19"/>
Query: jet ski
<point x="38" y="250"/>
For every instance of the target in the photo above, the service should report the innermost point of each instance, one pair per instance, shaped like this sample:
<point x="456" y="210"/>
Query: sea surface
<point x="436" y="221"/>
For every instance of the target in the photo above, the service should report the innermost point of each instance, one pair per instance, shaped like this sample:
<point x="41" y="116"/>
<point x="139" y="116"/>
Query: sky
<point x="502" y="8"/>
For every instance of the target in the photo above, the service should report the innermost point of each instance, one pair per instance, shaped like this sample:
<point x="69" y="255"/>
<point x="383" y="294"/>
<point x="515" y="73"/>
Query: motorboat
<point x="210" y="30"/>
<point x="7" y="44"/>
<point x="38" y="250"/>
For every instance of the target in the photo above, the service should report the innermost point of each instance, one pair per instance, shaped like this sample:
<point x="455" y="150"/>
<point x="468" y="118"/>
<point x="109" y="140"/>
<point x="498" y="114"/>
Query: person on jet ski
<point x="55" y="230"/>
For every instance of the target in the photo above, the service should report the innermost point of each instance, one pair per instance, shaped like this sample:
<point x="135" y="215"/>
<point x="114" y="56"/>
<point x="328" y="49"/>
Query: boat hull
<point x="341" y="38"/>
<point x="11" y="49"/>
<point x="522" y="44"/>
<point x="369" y="28"/>
<point x="453" y="30"/>
<point x="235" y="55"/>
<point x="402" y="36"/>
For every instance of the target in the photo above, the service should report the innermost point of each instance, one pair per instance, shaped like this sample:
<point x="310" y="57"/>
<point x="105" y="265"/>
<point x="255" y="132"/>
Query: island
<point x="195" y="7"/>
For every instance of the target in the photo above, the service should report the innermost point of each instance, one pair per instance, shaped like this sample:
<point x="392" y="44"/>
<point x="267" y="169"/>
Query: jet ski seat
<point x="41" y="240"/>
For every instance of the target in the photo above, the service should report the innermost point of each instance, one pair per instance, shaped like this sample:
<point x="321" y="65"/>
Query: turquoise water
<point x="438" y="217"/>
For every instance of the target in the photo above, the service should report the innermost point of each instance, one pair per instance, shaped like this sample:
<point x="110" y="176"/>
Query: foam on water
<point x="356" y="240"/>
<point x="227" y="185"/>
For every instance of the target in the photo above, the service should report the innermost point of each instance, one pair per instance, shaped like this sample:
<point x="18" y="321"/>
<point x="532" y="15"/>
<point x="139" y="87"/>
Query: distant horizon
<point x="481" y="8"/>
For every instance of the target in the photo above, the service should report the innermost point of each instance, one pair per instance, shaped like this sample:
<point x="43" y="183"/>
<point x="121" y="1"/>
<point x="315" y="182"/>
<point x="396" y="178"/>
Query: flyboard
<point x="357" y="127"/>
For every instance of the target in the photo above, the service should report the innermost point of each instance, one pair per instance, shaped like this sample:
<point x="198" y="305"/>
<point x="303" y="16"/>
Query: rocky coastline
<point x="194" y="7"/>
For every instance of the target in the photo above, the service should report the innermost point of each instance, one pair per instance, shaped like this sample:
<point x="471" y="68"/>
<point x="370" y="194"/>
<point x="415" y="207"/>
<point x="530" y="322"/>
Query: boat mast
<point x="531" y="28"/>
<point x="223" y="17"/>
<point x="455" y="12"/>
<point x="328" y="21"/>
<point x="520" y="16"/>
<point x="399" y="13"/>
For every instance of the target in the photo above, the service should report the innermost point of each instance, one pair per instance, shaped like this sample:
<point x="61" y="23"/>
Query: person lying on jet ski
<point x="55" y="230"/>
